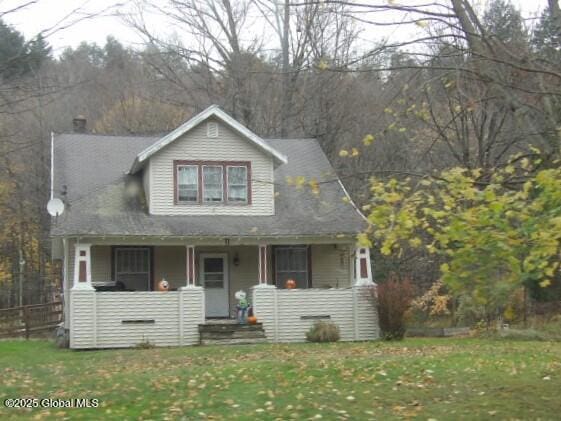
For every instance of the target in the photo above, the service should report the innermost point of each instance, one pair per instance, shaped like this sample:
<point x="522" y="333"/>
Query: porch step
<point x="231" y="333"/>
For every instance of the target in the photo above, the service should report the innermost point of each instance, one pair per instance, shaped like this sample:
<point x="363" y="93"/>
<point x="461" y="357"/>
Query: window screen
<point x="237" y="184"/>
<point x="212" y="183"/>
<point x="187" y="183"/>
<point x="291" y="263"/>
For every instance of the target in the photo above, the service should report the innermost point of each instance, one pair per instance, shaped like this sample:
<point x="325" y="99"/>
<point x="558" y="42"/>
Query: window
<point x="132" y="268"/>
<point x="291" y="262"/>
<point x="212" y="181"/>
<point x="237" y="184"/>
<point x="188" y="183"/>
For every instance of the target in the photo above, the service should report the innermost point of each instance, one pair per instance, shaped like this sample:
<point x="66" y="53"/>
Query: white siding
<point x="228" y="146"/>
<point x="330" y="266"/>
<point x="285" y="313"/>
<point x="146" y="183"/>
<point x="97" y="318"/>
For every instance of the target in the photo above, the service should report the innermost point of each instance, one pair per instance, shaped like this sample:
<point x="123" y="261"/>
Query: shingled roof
<point x="102" y="201"/>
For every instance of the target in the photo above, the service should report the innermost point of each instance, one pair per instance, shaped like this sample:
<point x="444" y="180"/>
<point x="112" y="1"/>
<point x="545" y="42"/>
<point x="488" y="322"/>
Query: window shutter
<point x="212" y="129"/>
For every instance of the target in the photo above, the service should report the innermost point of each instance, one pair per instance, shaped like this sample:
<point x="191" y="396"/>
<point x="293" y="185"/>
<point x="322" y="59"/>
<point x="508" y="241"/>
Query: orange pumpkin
<point x="252" y="320"/>
<point x="163" y="285"/>
<point x="290" y="284"/>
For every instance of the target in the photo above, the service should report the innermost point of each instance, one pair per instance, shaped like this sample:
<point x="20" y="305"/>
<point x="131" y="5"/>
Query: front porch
<point x="112" y="297"/>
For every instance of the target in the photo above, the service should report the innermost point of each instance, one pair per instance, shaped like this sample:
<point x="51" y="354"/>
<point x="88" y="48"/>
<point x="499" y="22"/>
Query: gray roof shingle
<point x="102" y="199"/>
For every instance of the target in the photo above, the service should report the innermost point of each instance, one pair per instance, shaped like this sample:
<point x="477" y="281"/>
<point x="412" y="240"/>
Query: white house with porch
<point x="211" y="208"/>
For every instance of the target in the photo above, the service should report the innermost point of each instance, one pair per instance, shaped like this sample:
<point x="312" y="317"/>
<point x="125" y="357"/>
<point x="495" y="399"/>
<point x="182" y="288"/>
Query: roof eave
<point x="213" y="110"/>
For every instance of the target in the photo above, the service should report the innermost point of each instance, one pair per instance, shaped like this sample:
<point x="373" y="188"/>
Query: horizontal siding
<point x="281" y="311"/>
<point x="330" y="266"/>
<point x="97" y="318"/>
<point x="101" y="263"/>
<point x="194" y="145"/>
<point x="169" y="263"/>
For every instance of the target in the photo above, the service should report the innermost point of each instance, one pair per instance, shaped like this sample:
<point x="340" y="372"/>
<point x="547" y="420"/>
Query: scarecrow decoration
<point x="242" y="306"/>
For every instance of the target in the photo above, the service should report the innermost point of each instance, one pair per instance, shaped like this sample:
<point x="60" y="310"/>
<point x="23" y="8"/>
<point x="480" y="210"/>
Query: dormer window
<point x="188" y="183"/>
<point x="212" y="129"/>
<point x="212" y="182"/>
<point x="213" y="186"/>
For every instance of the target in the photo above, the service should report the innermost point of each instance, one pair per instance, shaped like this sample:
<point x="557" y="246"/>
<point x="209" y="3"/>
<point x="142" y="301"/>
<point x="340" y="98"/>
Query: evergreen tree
<point x="17" y="56"/>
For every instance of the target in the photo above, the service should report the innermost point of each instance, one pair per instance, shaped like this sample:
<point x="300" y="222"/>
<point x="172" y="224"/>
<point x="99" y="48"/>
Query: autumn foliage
<point x="394" y="299"/>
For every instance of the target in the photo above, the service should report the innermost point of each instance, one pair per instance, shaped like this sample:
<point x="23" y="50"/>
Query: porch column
<point x="82" y="267"/>
<point x="263" y="272"/>
<point x="363" y="269"/>
<point x="190" y="265"/>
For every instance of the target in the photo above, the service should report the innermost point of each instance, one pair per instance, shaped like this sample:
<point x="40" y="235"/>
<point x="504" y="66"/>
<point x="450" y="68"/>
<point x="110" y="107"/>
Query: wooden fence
<point x="30" y="320"/>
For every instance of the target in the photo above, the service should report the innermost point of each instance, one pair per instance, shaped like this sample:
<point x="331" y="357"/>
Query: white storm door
<point x="214" y="279"/>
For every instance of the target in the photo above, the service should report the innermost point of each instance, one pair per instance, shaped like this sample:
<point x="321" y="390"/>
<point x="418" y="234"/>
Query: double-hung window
<point x="188" y="183"/>
<point x="213" y="187"/>
<point x="237" y="184"/>
<point x="213" y="182"/>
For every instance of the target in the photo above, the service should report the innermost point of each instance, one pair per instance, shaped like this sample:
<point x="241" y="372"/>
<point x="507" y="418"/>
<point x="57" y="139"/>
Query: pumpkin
<point x="252" y="320"/>
<point x="163" y="285"/>
<point x="290" y="284"/>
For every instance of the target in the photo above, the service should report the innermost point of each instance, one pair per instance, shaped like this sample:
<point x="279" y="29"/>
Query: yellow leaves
<point x="415" y="242"/>
<point x="343" y="153"/>
<point x="314" y="186"/>
<point x="386" y="250"/>
<point x="323" y="65"/>
<point x="346" y="199"/>
<point x="545" y="283"/>
<point x="300" y="181"/>
<point x="422" y="23"/>
<point x="444" y="268"/>
<point x="509" y="169"/>
<point x="363" y="240"/>
<point x="368" y="140"/>
<point x="354" y="152"/>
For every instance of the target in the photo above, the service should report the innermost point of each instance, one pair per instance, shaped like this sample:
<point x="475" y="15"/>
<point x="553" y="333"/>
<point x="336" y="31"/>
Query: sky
<point x="69" y="22"/>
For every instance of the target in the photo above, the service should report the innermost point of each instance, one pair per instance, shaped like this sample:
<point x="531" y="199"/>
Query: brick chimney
<point x="79" y="124"/>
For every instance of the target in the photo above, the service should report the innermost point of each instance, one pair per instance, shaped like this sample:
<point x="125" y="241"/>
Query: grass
<point x="417" y="378"/>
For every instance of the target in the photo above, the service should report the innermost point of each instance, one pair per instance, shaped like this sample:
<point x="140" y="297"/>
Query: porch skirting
<point x="129" y="319"/>
<point x="287" y="314"/>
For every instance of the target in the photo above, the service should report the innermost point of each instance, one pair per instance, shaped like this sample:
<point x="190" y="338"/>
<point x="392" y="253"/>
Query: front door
<point x="214" y="279"/>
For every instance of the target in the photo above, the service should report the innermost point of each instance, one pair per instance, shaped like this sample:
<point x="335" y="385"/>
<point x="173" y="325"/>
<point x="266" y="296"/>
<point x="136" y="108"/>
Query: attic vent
<point x="212" y="129"/>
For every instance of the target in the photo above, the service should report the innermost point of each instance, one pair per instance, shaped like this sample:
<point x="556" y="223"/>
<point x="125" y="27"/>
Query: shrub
<point x="394" y="299"/>
<point x="323" y="332"/>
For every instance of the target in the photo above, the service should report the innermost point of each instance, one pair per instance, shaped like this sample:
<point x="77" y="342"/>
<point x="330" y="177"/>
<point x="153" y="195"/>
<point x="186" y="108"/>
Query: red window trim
<point x="224" y="165"/>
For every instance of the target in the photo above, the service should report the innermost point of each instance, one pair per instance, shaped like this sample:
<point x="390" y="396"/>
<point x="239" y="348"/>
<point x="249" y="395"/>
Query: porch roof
<point x="103" y="200"/>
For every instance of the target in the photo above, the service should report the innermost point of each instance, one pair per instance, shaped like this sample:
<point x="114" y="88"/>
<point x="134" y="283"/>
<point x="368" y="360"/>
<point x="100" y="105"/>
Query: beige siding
<point x="285" y="314"/>
<point x="146" y="183"/>
<point x="101" y="263"/>
<point x="244" y="276"/>
<point x="169" y="263"/>
<point x="97" y="318"/>
<point x="330" y="266"/>
<point x="194" y="145"/>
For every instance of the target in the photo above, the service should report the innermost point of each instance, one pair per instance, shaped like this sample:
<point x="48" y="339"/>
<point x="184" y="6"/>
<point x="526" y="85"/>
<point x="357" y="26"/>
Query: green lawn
<point x="423" y="378"/>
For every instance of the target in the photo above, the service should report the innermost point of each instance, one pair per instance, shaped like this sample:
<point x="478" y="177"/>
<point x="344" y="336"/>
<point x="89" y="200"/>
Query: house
<point x="211" y="209"/>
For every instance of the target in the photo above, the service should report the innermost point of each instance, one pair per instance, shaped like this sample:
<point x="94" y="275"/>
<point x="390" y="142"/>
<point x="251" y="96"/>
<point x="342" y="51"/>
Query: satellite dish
<point x="55" y="207"/>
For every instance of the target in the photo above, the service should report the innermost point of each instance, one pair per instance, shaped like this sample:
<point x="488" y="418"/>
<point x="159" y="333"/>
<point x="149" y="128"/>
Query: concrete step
<point x="220" y="333"/>
<point x="233" y="335"/>
<point x="230" y="327"/>
<point x="244" y="341"/>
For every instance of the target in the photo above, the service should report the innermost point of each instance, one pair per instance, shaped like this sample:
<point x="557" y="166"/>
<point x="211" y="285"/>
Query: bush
<point x="394" y="299"/>
<point x="323" y="332"/>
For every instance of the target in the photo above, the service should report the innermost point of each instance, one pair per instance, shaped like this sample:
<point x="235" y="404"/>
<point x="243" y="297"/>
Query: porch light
<point x="236" y="259"/>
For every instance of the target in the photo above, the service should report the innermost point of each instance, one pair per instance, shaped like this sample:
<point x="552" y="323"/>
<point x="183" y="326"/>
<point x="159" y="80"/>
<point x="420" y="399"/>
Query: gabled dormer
<point x="211" y="164"/>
